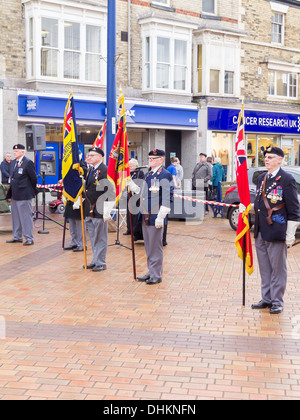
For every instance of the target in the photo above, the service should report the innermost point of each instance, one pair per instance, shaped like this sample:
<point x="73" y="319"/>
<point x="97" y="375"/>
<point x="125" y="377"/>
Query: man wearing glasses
<point x="95" y="208"/>
<point x="156" y="198"/>
<point x="277" y="216"/>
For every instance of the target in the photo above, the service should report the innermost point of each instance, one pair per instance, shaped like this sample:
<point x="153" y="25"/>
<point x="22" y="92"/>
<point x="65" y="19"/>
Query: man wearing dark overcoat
<point x="277" y="216"/>
<point x="23" y="180"/>
<point x="97" y="190"/>
<point x="156" y="197"/>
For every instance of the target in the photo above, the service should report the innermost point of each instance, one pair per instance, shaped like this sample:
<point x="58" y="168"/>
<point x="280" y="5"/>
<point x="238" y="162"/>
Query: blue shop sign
<point x="49" y="107"/>
<point x="222" y="119"/>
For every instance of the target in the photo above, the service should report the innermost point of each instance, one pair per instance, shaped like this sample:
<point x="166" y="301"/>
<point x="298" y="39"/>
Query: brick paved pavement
<point x="72" y="334"/>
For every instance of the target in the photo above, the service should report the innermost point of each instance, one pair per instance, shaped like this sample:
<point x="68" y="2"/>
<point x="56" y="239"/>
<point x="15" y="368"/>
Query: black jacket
<point x="23" y="180"/>
<point x="281" y="189"/>
<point x="5" y="170"/>
<point x="97" y="190"/>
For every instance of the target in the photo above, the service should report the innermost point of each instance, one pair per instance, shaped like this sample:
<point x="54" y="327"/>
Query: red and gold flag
<point x="118" y="171"/>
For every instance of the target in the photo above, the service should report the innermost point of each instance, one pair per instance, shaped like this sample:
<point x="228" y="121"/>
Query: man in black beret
<point x="277" y="216"/>
<point x="23" y="180"/>
<point x="97" y="209"/>
<point x="156" y="198"/>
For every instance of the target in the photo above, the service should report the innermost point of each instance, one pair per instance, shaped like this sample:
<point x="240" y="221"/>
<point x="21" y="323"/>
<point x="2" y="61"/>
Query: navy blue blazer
<point x="280" y="189"/>
<point x="157" y="190"/>
<point x="23" y="180"/>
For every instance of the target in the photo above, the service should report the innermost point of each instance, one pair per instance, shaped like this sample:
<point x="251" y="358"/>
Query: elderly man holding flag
<point x="276" y="220"/>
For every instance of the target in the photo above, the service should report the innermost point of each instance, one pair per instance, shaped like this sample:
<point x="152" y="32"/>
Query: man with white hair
<point x="276" y="220"/>
<point x="23" y="180"/>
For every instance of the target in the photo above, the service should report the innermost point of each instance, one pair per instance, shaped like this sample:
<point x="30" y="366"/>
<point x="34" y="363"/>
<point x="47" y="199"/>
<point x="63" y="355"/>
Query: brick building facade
<point x="184" y="68"/>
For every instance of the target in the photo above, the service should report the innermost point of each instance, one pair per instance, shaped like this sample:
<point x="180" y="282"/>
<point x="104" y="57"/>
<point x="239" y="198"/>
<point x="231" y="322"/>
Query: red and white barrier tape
<point x="213" y="203"/>
<point x="51" y="187"/>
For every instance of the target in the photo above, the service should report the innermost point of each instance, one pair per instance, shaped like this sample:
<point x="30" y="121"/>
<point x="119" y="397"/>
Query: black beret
<point x="157" y="152"/>
<point x="274" y="151"/>
<point x="97" y="150"/>
<point x="203" y="154"/>
<point x="19" y="146"/>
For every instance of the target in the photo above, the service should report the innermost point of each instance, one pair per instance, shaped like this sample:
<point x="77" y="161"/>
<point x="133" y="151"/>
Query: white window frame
<point x="278" y="25"/>
<point x="207" y="66"/>
<point x="282" y="67"/>
<point x="81" y="13"/>
<point x="154" y="29"/>
<point x="161" y="2"/>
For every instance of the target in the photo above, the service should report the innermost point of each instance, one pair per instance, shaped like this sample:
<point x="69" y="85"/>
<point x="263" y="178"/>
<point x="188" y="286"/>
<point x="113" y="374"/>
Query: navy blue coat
<point x="23" y="180"/>
<point x="280" y="189"/>
<point x="157" y="190"/>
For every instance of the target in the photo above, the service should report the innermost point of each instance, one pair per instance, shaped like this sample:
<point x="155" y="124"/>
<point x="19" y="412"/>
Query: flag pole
<point x="244" y="271"/>
<point x="83" y="232"/>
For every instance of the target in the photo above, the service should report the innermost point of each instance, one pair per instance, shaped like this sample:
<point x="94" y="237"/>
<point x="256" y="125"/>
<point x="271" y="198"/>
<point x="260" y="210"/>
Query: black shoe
<point x="28" y="243"/>
<point x="165" y="243"/>
<point x="153" y="280"/>
<point x="261" y="305"/>
<point x="69" y="248"/>
<point x="143" y="278"/>
<point x="126" y="233"/>
<point x="89" y="266"/>
<point x="99" y="268"/>
<point x="276" y="309"/>
<point x="78" y="249"/>
<point x="12" y="241"/>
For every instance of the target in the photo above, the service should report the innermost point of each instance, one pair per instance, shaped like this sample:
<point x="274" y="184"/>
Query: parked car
<point x="232" y="196"/>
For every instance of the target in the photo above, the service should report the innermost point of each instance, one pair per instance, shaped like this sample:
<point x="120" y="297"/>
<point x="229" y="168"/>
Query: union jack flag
<point x="100" y="137"/>
<point x="243" y="239"/>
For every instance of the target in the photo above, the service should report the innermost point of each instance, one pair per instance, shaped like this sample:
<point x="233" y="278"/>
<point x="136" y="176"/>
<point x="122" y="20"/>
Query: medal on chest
<point x="154" y="183"/>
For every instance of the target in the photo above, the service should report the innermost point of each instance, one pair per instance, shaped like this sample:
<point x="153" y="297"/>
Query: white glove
<point x="159" y="221"/>
<point x="133" y="187"/>
<point x="291" y="232"/>
<point x="242" y="208"/>
<point x="76" y="204"/>
<point x="107" y="208"/>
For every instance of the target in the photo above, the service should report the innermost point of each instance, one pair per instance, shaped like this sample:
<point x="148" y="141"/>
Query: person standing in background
<point x="23" y="180"/>
<point x="5" y="168"/>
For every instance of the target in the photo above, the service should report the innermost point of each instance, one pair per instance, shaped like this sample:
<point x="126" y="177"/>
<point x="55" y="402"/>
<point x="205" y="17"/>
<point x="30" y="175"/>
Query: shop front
<point x="148" y="124"/>
<point x="262" y="130"/>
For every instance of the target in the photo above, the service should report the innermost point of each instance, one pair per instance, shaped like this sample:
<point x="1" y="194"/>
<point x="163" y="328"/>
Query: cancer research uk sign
<point x="221" y="119"/>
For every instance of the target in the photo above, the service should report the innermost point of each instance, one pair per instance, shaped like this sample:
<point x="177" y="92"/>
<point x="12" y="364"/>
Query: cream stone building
<point x="183" y="66"/>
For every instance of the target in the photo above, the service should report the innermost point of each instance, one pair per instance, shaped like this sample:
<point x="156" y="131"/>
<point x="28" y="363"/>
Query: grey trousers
<point x="273" y="269"/>
<point x="98" y="231"/>
<point x="76" y="232"/>
<point x="22" y="220"/>
<point x="154" y="249"/>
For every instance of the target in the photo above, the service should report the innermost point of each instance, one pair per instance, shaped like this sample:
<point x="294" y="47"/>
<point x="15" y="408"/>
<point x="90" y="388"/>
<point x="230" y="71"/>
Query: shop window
<point x="222" y="147"/>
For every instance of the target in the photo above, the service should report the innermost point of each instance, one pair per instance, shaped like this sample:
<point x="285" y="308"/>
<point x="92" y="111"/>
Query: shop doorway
<point x="173" y="145"/>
